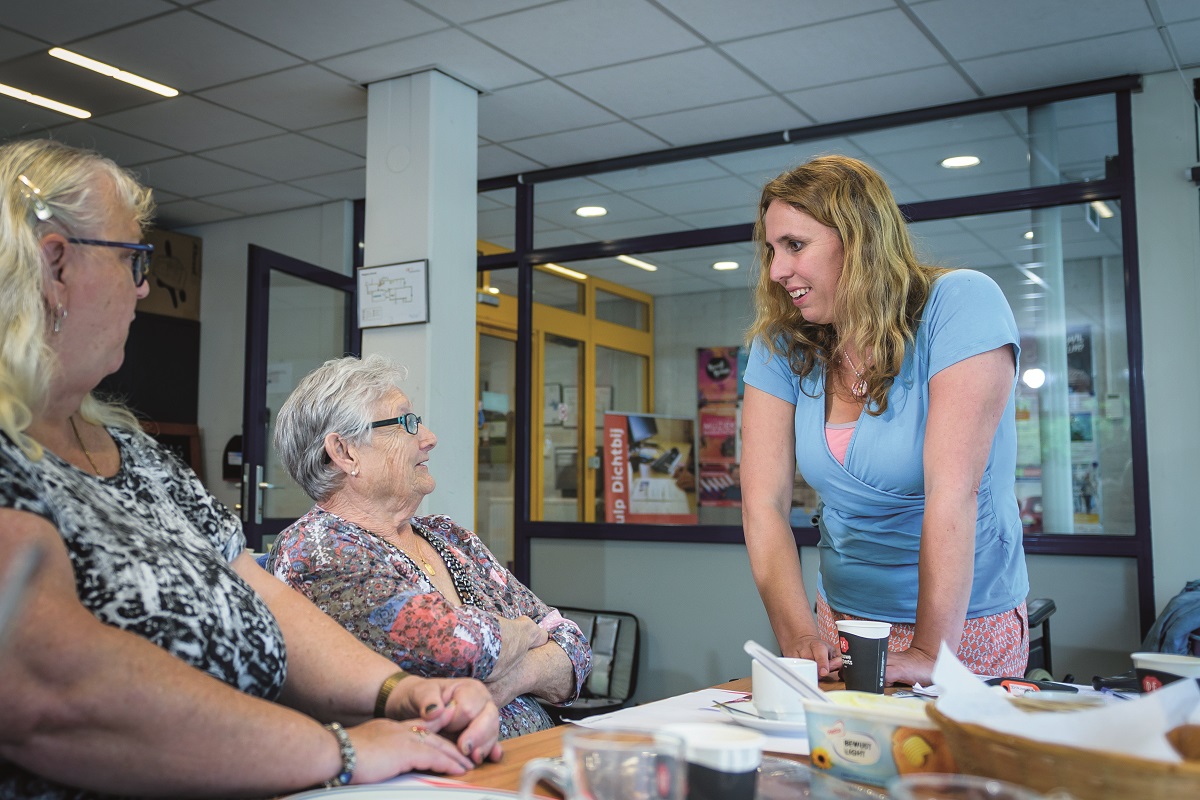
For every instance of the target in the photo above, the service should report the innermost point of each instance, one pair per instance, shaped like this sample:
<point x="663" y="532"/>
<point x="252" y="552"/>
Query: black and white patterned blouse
<point x="151" y="550"/>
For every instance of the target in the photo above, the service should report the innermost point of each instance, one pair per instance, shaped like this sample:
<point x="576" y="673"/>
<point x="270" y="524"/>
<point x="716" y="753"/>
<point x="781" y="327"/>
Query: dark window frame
<point x="1118" y="184"/>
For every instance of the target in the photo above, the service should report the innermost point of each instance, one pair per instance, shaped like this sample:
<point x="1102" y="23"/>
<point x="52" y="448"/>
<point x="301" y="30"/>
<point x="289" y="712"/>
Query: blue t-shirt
<point x="874" y="504"/>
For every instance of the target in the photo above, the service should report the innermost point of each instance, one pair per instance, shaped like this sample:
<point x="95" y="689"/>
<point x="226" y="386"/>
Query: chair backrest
<point x="262" y="560"/>
<point x="616" y="646"/>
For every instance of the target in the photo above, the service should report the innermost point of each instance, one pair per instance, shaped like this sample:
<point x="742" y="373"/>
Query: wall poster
<point x="645" y="457"/>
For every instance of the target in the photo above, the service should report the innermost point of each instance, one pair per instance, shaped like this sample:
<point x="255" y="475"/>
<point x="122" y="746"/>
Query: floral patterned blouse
<point x="381" y="596"/>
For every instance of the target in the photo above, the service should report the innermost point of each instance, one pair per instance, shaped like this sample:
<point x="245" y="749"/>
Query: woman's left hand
<point x="910" y="667"/>
<point x="453" y="705"/>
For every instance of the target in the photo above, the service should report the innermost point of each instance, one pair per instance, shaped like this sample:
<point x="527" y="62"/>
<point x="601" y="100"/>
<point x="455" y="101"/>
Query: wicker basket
<point x="1086" y="774"/>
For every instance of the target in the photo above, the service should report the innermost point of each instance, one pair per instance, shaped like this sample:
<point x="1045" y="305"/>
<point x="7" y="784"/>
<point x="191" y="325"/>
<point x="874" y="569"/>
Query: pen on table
<point x="1114" y="693"/>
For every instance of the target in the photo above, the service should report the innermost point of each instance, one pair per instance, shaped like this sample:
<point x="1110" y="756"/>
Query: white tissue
<point x="1135" y="728"/>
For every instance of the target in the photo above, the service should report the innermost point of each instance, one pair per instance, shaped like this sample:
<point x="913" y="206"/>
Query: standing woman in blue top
<point x="889" y="384"/>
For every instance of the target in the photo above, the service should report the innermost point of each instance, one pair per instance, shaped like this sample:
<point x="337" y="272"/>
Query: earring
<point x="354" y="472"/>
<point x="59" y="315"/>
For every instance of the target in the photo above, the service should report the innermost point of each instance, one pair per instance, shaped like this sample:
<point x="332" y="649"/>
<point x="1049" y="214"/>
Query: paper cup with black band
<point x="863" y="645"/>
<point x="1156" y="670"/>
<point x="722" y="760"/>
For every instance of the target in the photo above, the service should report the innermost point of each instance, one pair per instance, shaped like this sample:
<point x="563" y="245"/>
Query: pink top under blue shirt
<point x="872" y="500"/>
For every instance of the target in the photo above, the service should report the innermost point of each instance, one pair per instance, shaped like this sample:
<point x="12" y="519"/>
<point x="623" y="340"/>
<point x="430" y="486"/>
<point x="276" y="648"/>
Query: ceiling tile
<point x="883" y="94"/>
<point x="726" y="121"/>
<point x="187" y="123"/>
<point x="459" y="11"/>
<point x="184" y="50"/>
<point x="1137" y="52"/>
<point x="569" y="189"/>
<point x="521" y="111"/>
<point x="861" y="47"/>
<point x="265" y="199"/>
<point x="621" y="208"/>
<point x="319" y="29"/>
<point x="350" y="135"/>
<point x="190" y="176"/>
<point x="602" y="141"/>
<point x="1178" y="10"/>
<point x="348" y="185"/>
<point x="1186" y="38"/>
<point x="685" y="198"/>
<point x="668" y="83"/>
<point x="123" y="149"/>
<point x="648" y="177"/>
<point x="190" y="212"/>
<point x="495" y="160"/>
<point x="286" y="157"/>
<point x="328" y="98"/>
<point x="559" y="38"/>
<point x="18" y="118"/>
<point x="72" y="19"/>
<point x="721" y="20"/>
<point x="15" y="45"/>
<point x="460" y="55"/>
<point x="974" y="30"/>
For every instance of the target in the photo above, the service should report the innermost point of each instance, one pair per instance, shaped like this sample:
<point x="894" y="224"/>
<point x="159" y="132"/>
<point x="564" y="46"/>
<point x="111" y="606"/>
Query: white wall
<point x="320" y="235"/>
<point x="1168" y="209"/>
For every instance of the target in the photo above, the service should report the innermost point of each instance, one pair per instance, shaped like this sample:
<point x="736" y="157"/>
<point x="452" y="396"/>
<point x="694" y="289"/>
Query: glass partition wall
<point x="1047" y="211"/>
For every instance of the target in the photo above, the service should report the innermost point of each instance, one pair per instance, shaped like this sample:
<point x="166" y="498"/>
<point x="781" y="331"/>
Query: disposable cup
<point x="863" y="645"/>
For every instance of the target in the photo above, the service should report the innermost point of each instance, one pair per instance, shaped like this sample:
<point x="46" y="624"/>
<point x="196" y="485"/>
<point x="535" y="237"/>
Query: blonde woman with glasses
<point x="153" y="655"/>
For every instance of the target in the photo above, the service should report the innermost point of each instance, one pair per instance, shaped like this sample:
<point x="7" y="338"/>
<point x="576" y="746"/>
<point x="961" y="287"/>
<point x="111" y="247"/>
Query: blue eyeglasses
<point x="409" y="422"/>
<point x="142" y="253"/>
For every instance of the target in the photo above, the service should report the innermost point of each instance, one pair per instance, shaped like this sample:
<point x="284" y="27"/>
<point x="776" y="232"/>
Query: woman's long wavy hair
<point x="69" y="184"/>
<point x="882" y="290"/>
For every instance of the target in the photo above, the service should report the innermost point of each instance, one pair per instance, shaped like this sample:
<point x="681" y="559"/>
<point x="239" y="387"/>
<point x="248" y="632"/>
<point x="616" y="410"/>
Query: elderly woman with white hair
<point x="421" y="590"/>
<point x="153" y="655"/>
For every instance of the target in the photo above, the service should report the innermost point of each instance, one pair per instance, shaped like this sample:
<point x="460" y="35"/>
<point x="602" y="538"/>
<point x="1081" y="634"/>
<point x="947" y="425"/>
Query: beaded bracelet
<point x="385" y="691"/>
<point x="349" y="756"/>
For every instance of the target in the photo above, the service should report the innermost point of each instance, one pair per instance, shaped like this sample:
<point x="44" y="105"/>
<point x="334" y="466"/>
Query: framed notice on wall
<point x="393" y="294"/>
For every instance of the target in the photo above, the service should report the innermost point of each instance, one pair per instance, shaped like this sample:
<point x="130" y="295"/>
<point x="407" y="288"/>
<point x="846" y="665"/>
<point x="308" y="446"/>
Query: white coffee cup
<point x="773" y="699"/>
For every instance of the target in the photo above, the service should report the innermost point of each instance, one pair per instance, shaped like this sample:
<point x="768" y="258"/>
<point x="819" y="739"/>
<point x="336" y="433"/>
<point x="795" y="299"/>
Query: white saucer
<point x="744" y="713"/>
<point x="402" y="792"/>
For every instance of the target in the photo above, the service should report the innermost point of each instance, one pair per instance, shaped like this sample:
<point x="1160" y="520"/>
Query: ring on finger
<point x="420" y="732"/>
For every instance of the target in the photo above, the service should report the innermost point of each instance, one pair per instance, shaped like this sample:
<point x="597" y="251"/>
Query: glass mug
<point x="612" y="765"/>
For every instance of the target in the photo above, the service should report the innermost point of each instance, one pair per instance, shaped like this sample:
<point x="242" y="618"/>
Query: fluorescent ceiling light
<point x="724" y="265"/>
<point x="1028" y="234"/>
<point x="958" y="162"/>
<point x="570" y="273"/>
<point x="44" y="102"/>
<point x="634" y="262"/>
<point x="591" y="211"/>
<point x="113" y="72"/>
<point x="1102" y="208"/>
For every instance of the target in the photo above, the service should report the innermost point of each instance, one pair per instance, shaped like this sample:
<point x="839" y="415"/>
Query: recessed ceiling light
<point x="493" y="290"/>
<point x="724" y="265"/>
<point x="958" y="162"/>
<point x="591" y="211"/>
<point x="1034" y="378"/>
<point x="1028" y="234"/>
<point x="44" y="102"/>
<point x="1103" y="209"/>
<point x="570" y="273"/>
<point x="113" y="72"/>
<point x="634" y="262"/>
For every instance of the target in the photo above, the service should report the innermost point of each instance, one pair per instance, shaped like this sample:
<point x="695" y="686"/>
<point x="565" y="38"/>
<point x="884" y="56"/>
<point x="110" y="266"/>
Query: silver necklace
<point x="859" y="387"/>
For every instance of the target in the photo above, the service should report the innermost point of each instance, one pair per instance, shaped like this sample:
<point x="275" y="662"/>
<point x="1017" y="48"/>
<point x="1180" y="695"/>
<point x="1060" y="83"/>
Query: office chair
<point x="616" y="645"/>
<point x="1039" y="612"/>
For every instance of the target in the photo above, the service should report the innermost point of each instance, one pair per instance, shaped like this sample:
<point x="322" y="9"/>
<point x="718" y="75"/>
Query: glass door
<point x="298" y="316"/>
<point x="497" y="400"/>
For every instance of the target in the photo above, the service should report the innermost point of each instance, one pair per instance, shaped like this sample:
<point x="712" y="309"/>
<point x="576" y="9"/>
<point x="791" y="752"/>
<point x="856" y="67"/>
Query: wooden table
<point x="506" y="774"/>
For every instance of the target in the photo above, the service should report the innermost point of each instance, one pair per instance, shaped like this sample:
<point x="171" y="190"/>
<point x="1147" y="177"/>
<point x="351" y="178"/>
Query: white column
<point x="421" y="185"/>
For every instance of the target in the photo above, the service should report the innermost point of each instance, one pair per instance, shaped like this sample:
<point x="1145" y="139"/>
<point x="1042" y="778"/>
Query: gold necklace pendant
<point x="427" y="567"/>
